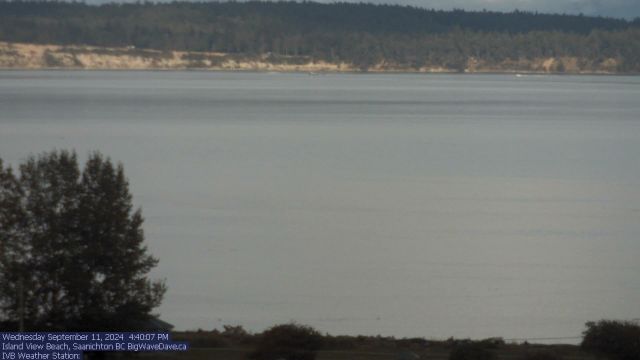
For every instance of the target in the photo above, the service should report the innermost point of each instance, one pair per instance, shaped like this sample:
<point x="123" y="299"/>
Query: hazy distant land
<point x="310" y="37"/>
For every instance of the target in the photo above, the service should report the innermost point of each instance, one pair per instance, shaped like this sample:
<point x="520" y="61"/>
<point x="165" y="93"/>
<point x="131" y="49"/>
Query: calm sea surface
<point x="406" y="205"/>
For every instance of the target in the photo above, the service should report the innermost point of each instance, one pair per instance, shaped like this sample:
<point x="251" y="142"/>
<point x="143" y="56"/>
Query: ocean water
<point x="405" y="205"/>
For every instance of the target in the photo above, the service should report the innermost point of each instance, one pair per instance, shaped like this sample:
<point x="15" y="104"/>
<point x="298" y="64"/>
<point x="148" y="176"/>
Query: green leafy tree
<point x="73" y="254"/>
<point x="618" y="340"/>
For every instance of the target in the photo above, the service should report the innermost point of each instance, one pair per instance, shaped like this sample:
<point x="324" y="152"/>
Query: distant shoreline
<point x="22" y="56"/>
<point x="249" y="71"/>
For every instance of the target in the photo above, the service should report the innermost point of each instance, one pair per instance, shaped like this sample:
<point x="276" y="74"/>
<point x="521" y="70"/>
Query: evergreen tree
<point x="75" y="247"/>
<point x="616" y="340"/>
<point x="12" y="244"/>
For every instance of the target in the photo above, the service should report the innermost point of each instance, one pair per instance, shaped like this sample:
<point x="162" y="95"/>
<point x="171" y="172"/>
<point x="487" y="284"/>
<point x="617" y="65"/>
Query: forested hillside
<point x="362" y="35"/>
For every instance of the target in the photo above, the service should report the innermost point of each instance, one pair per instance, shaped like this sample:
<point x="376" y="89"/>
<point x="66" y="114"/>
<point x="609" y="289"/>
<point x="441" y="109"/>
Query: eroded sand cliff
<point x="36" y="56"/>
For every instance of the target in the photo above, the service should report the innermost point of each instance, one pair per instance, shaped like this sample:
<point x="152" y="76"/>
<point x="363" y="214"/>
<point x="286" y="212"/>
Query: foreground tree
<point x="71" y="247"/>
<point x="618" y="340"/>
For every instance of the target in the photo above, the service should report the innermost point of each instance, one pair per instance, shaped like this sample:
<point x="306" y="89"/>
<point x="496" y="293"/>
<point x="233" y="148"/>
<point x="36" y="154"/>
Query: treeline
<point x="610" y="339"/>
<point x="364" y="35"/>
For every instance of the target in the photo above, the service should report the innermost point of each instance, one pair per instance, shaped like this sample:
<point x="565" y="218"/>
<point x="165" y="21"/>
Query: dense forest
<point x="363" y="35"/>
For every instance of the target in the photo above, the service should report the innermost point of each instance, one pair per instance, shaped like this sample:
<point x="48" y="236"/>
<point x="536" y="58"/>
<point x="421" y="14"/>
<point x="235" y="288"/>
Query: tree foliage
<point x="73" y="243"/>
<point x="471" y="350"/>
<point x="289" y="342"/>
<point x="620" y="340"/>
<point x="360" y="34"/>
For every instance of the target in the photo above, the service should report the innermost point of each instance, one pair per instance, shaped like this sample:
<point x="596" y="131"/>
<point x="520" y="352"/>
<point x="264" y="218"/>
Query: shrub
<point x="51" y="60"/>
<point x="339" y="342"/>
<point x="492" y="343"/>
<point x="203" y="339"/>
<point x="619" y="340"/>
<point x="289" y="342"/>
<point x="542" y="355"/>
<point x="470" y="351"/>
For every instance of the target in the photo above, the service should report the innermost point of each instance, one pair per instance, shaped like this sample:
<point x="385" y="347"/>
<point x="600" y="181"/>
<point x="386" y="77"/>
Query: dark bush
<point x="51" y="60"/>
<point x="492" y="343"/>
<point x="469" y="350"/>
<point x="237" y="335"/>
<point x="202" y="339"/>
<point x="542" y="355"/>
<point x="289" y="342"/>
<point x="619" y="340"/>
<point x="339" y="342"/>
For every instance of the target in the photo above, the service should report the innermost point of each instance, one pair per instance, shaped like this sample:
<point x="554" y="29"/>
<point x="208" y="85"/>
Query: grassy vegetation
<point x="434" y="352"/>
<point x="234" y="343"/>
